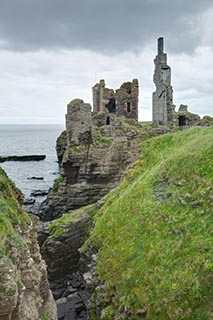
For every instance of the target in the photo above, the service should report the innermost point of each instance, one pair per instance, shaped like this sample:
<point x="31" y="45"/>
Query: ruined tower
<point x="79" y="123"/>
<point x="162" y="102"/>
<point x="122" y="102"/>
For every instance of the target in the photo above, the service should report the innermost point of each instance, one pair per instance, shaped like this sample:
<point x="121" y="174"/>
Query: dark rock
<point x="58" y="284"/>
<point x="66" y="293"/>
<point x="73" y="299"/>
<point x="84" y="295"/>
<point x="33" y="208"/>
<point x="43" y="232"/>
<point x="75" y="282"/>
<point x="58" y="293"/>
<point x="71" y="289"/>
<point x="62" y="255"/>
<point x="29" y="201"/>
<point x="36" y="178"/>
<point x="61" y="307"/>
<point x="23" y="158"/>
<point x="38" y="193"/>
<point x="196" y="204"/>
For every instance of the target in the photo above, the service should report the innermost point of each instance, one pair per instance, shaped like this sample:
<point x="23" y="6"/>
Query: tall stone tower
<point x="162" y="101"/>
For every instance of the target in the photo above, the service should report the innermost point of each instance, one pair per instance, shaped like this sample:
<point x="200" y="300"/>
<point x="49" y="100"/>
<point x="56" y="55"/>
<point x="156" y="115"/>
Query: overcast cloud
<point x="52" y="51"/>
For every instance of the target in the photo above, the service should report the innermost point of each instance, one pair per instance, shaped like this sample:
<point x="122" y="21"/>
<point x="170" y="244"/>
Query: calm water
<point x="26" y="140"/>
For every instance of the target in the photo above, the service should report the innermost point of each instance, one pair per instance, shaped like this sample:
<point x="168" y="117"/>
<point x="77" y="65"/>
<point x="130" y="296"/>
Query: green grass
<point x="103" y="139"/>
<point x="154" y="232"/>
<point x="56" y="228"/>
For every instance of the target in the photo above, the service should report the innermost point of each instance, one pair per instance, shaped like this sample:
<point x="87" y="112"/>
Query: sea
<point x="30" y="140"/>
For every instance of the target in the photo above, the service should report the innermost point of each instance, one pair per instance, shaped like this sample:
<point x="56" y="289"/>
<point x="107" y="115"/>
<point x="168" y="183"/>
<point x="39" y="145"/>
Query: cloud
<point x="53" y="51"/>
<point x="105" y="26"/>
<point x="192" y="79"/>
<point x="37" y="86"/>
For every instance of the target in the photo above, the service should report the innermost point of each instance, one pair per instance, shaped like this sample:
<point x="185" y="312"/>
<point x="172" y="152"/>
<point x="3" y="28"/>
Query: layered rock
<point x="68" y="269"/>
<point x="61" y="241"/>
<point x="24" y="288"/>
<point x="94" y="160"/>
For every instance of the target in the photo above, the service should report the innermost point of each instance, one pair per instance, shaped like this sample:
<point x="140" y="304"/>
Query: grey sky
<point x="112" y="25"/>
<point x="52" y="51"/>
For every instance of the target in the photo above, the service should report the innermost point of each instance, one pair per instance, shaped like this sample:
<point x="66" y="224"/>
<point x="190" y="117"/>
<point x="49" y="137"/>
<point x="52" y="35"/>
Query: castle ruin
<point x="121" y="102"/>
<point x="162" y="105"/>
<point x="79" y="123"/>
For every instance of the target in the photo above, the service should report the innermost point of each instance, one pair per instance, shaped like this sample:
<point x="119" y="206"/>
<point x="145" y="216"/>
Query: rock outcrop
<point x="61" y="240"/>
<point x="23" y="158"/>
<point x="24" y="288"/>
<point x="69" y="269"/>
<point x="94" y="159"/>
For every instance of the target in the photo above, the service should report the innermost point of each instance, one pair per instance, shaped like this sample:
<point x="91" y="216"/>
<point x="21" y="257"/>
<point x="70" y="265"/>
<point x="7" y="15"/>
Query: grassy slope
<point x="154" y="232"/>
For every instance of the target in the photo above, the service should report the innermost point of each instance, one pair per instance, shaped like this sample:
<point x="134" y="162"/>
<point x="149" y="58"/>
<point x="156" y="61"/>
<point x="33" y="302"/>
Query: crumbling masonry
<point x="122" y="102"/>
<point x="163" y="107"/>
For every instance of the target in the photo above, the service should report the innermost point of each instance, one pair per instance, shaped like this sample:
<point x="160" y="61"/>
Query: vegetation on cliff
<point x="11" y="213"/>
<point x="154" y="232"/>
<point x="24" y="292"/>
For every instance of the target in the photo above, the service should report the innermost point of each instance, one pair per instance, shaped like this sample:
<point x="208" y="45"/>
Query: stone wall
<point x="122" y="102"/>
<point x="127" y="100"/>
<point x="79" y="123"/>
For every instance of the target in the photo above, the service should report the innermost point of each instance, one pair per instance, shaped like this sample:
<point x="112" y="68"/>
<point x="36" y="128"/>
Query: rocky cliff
<point x="93" y="156"/>
<point x="24" y="288"/>
<point x="151" y="238"/>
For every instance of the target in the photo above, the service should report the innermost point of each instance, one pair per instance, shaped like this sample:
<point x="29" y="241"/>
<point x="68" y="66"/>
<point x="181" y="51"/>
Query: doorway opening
<point x="111" y="105"/>
<point x="182" y="121"/>
<point x="108" y="120"/>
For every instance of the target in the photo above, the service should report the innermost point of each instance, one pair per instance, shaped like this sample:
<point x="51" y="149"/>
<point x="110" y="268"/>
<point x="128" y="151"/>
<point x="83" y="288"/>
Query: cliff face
<point x="94" y="159"/>
<point x="24" y="289"/>
<point x="64" y="237"/>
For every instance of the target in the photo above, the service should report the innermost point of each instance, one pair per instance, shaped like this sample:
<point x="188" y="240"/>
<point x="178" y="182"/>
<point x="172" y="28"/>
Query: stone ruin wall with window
<point x="121" y="102"/>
